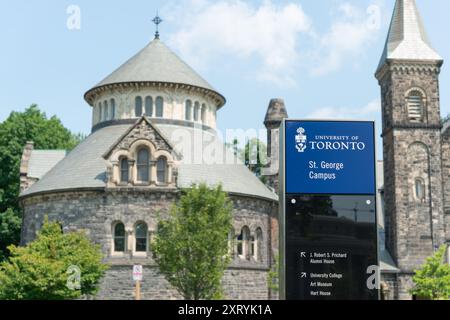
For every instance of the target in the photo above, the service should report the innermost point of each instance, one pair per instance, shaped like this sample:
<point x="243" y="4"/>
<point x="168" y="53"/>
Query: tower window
<point x="141" y="237"/>
<point x="161" y="167"/>
<point x="203" y="113"/>
<point x="124" y="169"/>
<point x="113" y="109"/>
<point x="105" y="107"/>
<point x="119" y="237"/>
<point x="99" y="111"/>
<point x="149" y="106"/>
<point x="196" y="111"/>
<point x="415" y="106"/>
<point x="420" y="190"/>
<point x="188" y="110"/>
<point x="243" y="247"/>
<point x="159" y="107"/>
<point x="138" y="107"/>
<point x="143" y="165"/>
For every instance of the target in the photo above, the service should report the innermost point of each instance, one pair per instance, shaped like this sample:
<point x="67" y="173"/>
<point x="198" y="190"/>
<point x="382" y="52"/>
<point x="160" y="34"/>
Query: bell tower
<point x="408" y="75"/>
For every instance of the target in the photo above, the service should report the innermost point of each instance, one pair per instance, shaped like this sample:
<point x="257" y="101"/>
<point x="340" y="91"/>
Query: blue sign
<point x="330" y="157"/>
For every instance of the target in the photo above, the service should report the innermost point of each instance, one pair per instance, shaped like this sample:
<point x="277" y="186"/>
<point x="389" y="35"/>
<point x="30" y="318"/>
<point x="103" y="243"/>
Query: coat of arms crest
<point x="300" y="140"/>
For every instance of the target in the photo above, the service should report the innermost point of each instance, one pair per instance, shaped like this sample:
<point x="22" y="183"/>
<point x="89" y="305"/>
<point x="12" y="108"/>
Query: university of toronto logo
<point x="300" y="140"/>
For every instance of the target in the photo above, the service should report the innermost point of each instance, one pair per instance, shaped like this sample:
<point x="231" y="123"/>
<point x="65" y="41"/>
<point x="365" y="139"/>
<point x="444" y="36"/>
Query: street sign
<point x="137" y="273"/>
<point x="328" y="225"/>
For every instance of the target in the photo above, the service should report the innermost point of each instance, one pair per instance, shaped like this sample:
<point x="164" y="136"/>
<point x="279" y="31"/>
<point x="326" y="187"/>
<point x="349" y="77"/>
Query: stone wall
<point x="97" y="211"/>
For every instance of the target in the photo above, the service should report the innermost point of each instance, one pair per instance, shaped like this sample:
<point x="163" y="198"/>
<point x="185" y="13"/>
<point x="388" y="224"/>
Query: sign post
<point x="137" y="277"/>
<point x="328" y="220"/>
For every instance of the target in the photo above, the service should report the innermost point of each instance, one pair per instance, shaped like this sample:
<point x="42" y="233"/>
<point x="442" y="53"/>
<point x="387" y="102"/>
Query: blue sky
<point x="319" y="56"/>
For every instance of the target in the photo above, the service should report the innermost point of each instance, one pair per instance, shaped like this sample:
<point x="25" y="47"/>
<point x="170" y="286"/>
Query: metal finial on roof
<point x="157" y="21"/>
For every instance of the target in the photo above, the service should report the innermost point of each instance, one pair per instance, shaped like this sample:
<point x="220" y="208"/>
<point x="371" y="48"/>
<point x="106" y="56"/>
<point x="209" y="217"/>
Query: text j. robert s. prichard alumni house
<point x="148" y="117"/>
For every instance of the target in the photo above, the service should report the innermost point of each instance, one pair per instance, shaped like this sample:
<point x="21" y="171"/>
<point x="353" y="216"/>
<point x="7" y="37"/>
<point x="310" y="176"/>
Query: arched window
<point x="105" y="107"/>
<point x="149" y="106"/>
<point x="258" y="248"/>
<point x="124" y="170"/>
<point x="243" y="243"/>
<point x="231" y="242"/>
<point x="159" y="107"/>
<point x="252" y="246"/>
<point x="161" y="168"/>
<point x="119" y="237"/>
<point x="420" y="190"/>
<point x="138" y="107"/>
<point x="113" y="108"/>
<point x="416" y="110"/>
<point x="203" y="113"/>
<point x="196" y="111"/>
<point x="141" y="233"/>
<point x="188" y="110"/>
<point x="100" y="113"/>
<point x="143" y="165"/>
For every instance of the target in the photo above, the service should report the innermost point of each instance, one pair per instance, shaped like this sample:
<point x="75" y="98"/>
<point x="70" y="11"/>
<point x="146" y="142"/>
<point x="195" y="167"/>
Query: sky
<point x="319" y="56"/>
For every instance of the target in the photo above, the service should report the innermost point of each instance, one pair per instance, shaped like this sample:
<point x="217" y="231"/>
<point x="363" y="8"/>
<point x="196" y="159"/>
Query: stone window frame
<point x="188" y="110"/>
<point x="146" y="165"/>
<point x="424" y="196"/>
<point x="254" y="239"/>
<point x="115" y="253"/>
<point x="134" y="252"/>
<point x="423" y="94"/>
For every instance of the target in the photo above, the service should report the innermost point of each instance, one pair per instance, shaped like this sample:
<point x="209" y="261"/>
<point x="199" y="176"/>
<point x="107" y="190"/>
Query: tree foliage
<point x="42" y="270"/>
<point x="191" y="247"/>
<point x="20" y="127"/>
<point x="432" y="280"/>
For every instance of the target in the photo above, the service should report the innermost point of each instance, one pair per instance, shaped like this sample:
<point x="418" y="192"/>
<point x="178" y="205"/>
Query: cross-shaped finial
<point x="157" y="21"/>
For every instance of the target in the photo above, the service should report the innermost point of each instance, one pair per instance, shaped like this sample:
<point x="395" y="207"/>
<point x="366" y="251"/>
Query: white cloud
<point x="352" y="31"/>
<point x="270" y="33"/>
<point x="371" y="111"/>
<point x="268" y="36"/>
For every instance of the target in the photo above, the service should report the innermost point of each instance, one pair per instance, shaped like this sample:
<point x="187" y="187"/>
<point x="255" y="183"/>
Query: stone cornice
<point x="132" y="121"/>
<point x="411" y="127"/>
<point x="94" y="92"/>
<point x="408" y="67"/>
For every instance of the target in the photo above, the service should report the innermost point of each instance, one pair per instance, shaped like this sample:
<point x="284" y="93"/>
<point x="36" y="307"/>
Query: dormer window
<point x="161" y="168"/>
<point x="415" y="106"/>
<point x="124" y="170"/>
<point x="143" y="166"/>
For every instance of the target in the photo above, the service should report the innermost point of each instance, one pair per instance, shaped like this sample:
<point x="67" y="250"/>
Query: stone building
<point x="415" y="147"/>
<point x="153" y="133"/>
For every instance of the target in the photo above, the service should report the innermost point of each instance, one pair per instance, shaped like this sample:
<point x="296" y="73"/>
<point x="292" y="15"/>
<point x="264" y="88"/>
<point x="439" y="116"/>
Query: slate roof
<point x="42" y="161"/>
<point x="156" y="63"/>
<point x="85" y="167"/>
<point x="407" y="38"/>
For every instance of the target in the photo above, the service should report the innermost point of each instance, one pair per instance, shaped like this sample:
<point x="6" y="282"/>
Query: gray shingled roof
<point x="407" y="38"/>
<point x="42" y="161"/>
<point x="85" y="167"/>
<point x="156" y="63"/>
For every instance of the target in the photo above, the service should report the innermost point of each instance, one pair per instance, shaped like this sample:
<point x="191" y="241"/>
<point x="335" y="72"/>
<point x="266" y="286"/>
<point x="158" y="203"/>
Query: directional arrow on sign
<point x="303" y="274"/>
<point x="303" y="255"/>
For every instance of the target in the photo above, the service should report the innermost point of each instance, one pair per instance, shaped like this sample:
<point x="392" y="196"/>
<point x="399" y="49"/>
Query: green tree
<point x="191" y="247"/>
<point x="432" y="281"/>
<point x="46" y="269"/>
<point x="20" y="127"/>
